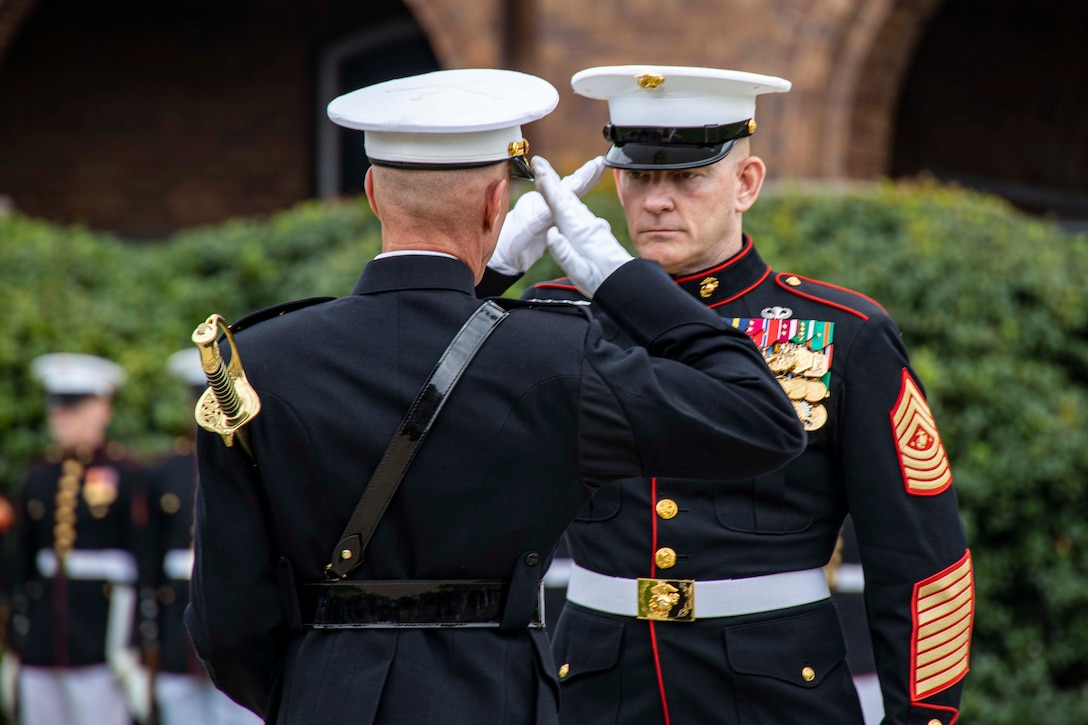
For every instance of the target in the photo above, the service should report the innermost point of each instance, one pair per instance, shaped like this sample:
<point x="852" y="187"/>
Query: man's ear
<point x="368" y="184"/>
<point x="750" y="174"/>
<point x="495" y="203"/>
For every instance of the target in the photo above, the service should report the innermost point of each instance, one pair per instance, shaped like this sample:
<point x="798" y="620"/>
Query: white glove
<point x="523" y="235"/>
<point x="581" y="243"/>
<point x="135" y="680"/>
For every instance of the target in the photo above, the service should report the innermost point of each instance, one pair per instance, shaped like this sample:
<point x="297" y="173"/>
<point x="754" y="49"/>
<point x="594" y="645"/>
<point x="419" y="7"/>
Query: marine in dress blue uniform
<point x="82" y="514"/>
<point x="546" y="414"/>
<point x="743" y="630"/>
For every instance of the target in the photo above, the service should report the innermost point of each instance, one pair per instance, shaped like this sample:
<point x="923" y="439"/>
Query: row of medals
<point x="799" y="371"/>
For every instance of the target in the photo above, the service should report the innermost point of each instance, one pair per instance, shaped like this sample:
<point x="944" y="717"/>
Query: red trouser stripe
<point x="653" y="573"/>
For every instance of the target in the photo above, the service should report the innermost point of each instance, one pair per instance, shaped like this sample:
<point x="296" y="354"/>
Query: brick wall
<point x="145" y="121"/>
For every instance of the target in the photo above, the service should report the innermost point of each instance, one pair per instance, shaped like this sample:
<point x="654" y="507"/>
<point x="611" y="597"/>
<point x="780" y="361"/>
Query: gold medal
<point x="815" y="391"/>
<point x="812" y="416"/>
<point x="782" y="360"/>
<point x="803" y="360"/>
<point x="796" y="388"/>
<point x="817" y="418"/>
<point x="819" y="366"/>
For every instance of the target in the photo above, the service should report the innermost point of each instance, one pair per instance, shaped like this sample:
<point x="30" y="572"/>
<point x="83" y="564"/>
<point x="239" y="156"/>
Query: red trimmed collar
<point x="726" y="281"/>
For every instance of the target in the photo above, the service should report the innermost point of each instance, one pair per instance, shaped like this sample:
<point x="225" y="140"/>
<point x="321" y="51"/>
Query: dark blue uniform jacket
<point x="63" y="620"/>
<point x="873" y="451"/>
<point x="546" y="413"/>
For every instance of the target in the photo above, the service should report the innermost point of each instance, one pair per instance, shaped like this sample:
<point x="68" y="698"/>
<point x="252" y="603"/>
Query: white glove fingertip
<point x="545" y="176"/>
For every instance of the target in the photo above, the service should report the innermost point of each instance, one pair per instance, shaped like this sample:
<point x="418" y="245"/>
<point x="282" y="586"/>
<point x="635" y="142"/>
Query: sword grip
<point x="230" y="401"/>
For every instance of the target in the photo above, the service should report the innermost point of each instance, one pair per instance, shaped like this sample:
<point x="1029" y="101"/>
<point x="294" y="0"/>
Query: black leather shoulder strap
<point x="350" y="551"/>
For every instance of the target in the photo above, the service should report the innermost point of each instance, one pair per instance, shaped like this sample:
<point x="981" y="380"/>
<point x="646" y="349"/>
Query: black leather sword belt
<point x="405" y="603"/>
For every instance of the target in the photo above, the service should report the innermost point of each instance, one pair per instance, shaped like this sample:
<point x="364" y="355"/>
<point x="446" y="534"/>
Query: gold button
<point x="170" y="503"/>
<point x="667" y="508"/>
<point x="793" y="281"/>
<point x="35" y="509"/>
<point x="665" y="558"/>
<point x="808" y="674"/>
<point x="564" y="670"/>
<point x="345" y="554"/>
<point x="935" y="721"/>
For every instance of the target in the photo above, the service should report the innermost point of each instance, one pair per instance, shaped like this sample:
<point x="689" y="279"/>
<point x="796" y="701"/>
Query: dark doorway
<point x="375" y="55"/>
<point x="994" y="101"/>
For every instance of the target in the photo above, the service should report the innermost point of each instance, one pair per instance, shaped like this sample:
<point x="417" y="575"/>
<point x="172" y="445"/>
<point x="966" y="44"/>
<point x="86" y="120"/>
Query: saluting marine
<point x="82" y="514"/>
<point x="754" y="636"/>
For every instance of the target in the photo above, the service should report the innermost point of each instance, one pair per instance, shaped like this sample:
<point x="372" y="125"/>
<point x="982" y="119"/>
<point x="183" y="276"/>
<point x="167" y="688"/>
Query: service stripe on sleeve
<point x="922" y="457"/>
<point x="944" y="610"/>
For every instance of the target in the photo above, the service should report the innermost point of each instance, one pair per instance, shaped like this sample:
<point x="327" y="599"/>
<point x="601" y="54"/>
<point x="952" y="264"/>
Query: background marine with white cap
<point x="82" y="516"/>
<point x="759" y="640"/>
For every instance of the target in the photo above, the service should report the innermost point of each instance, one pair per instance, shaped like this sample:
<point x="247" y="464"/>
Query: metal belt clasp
<point x="666" y="600"/>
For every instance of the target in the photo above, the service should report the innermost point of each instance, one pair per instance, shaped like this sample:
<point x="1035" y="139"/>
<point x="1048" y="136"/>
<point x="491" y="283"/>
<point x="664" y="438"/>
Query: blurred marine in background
<point x="82" y="514"/>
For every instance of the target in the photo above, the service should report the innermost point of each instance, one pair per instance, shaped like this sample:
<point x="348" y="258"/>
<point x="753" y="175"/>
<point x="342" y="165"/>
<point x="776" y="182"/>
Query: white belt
<point x="113" y="565"/>
<point x="679" y="599"/>
<point x="178" y="564"/>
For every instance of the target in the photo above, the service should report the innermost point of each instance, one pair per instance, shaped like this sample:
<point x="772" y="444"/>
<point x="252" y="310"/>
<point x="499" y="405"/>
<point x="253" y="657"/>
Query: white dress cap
<point x="449" y="118"/>
<point x="185" y="366"/>
<point x="64" y="373"/>
<point x="675" y="96"/>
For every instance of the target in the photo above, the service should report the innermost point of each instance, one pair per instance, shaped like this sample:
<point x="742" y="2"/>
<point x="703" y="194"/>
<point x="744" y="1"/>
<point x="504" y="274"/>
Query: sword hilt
<point x="230" y="401"/>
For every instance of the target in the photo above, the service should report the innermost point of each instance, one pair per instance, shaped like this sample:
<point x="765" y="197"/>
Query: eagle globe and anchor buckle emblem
<point x="666" y="600"/>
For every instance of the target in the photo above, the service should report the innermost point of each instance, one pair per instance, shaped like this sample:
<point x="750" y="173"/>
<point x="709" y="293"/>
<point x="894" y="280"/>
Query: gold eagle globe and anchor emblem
<point x="671" y="600"/>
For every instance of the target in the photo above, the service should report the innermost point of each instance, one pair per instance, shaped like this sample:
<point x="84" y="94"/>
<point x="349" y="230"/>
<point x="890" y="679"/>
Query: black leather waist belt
<point x="406" y="603"/>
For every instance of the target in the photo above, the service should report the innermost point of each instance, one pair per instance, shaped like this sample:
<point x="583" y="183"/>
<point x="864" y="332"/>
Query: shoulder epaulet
<point x="562" y="283"/>
<point x="276" y="311"/>
<point x="831" y="295"/>
<point x="508" y="304"/>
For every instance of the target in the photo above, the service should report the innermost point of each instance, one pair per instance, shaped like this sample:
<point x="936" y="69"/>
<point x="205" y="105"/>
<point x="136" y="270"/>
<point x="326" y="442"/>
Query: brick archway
<point x="882" y="67"/>
<point x="462" y="35"/>
<point x="840" y="116"/>
<point x="12" y="15"/>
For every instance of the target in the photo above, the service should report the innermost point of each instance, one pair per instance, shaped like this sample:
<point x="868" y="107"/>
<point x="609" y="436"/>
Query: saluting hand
<point x="581" y="243"/>
<point x="524" y="233"/>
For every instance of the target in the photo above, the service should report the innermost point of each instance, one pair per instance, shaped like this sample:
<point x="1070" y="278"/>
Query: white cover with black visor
<point x="674" y="117"/>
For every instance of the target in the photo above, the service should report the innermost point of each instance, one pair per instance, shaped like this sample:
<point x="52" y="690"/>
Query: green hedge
<point x="991" y="303"/>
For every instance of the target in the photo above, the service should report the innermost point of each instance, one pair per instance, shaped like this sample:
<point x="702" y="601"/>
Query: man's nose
<point x="658" y="198"/>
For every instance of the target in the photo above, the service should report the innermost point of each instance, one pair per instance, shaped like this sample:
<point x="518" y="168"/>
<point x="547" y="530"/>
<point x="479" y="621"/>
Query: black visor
<point x="650" y="157"/>
<point x="66" y="400"/>
<point x="658" y="147"/>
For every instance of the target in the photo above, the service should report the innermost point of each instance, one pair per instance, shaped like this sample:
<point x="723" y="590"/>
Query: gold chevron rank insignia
<point x="922" y="458"/>
<point x="943" y="611"/>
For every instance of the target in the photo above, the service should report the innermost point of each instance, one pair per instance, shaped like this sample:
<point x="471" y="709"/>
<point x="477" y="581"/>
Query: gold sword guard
<point x="230" y="401"/>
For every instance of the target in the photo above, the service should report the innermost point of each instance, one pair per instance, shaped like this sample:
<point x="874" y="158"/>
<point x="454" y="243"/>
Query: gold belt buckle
<point x="666" y="600"/>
